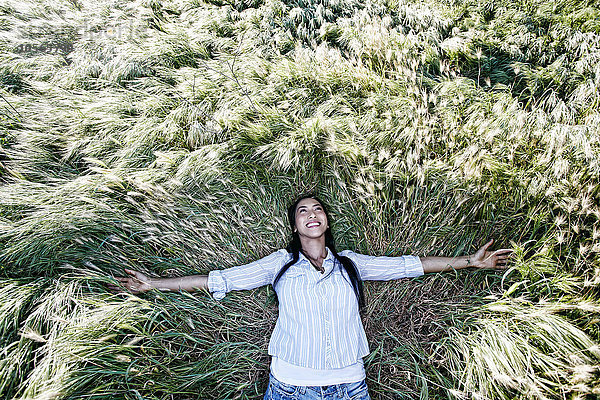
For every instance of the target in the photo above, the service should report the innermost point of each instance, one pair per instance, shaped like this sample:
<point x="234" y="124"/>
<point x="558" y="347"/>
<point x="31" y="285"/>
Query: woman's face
<point x="311" y="220"/>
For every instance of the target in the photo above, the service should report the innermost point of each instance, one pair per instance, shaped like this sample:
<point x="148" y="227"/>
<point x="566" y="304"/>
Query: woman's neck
<point x="315" y="251"/>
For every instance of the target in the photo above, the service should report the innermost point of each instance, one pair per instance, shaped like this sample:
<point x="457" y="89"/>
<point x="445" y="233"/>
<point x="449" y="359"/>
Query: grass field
<point x="170" y="136"/>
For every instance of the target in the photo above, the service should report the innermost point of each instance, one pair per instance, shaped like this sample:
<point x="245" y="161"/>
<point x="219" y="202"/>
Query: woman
<point x="318" y="342"/>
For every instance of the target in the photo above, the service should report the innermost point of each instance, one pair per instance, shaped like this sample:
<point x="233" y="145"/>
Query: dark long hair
<point x="294" y="247"/>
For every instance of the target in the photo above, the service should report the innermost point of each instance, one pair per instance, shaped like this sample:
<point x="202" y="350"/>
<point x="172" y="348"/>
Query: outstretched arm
<point x="241" y="277"/>
<point x="136" y="282"/>
<point x="497" y="259"/>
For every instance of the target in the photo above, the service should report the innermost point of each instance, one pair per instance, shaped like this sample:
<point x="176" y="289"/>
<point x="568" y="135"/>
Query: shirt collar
<point x="326" y="264"/>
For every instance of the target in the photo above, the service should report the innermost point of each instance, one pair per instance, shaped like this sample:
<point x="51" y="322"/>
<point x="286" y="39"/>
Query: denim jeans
<point x="347" y="391"/>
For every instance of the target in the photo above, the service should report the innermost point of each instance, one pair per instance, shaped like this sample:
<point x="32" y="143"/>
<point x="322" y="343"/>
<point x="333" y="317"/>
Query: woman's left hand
<point x="497" y="259"/>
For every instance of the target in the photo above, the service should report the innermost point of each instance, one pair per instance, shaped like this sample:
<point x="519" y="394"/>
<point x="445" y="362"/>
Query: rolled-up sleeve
<point x="381" y="268"/>
<point x="244" y="277"/>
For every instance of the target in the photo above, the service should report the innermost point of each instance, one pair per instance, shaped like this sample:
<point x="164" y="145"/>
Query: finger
<point x="130" y="272"/>
<point x="140" y="277"/>
<point x="115" y="289"/>
<point x="135" y="274"/>
<point x="125" y="283"/>
<point x="504" y="251"/>
<point x="504" y="256"/>
<point x="488" y="244"/>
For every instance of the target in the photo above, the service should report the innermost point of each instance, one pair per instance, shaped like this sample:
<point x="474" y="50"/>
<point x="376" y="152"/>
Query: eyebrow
<point x="303" y="206"/>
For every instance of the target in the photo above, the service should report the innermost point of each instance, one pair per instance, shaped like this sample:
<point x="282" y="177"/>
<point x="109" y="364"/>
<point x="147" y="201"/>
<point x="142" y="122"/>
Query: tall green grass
<point x="170" y="136"/>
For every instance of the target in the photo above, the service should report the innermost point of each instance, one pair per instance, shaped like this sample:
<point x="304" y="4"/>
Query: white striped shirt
<point x="318" y="325"/>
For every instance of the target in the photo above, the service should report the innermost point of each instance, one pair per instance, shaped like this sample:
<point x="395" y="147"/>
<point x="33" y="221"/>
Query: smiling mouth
<point x="313" y="224"/>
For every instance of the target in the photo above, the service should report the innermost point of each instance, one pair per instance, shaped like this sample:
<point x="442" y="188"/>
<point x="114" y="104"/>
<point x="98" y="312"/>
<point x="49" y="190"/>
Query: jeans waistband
<point x="339" y="388"/>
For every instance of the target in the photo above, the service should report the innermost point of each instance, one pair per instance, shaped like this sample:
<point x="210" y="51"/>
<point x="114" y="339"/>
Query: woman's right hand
<point x="135" y="282"/>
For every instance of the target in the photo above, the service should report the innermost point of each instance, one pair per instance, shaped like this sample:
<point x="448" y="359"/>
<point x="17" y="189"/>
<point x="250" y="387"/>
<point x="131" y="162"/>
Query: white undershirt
<point x="303" y="376"/>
